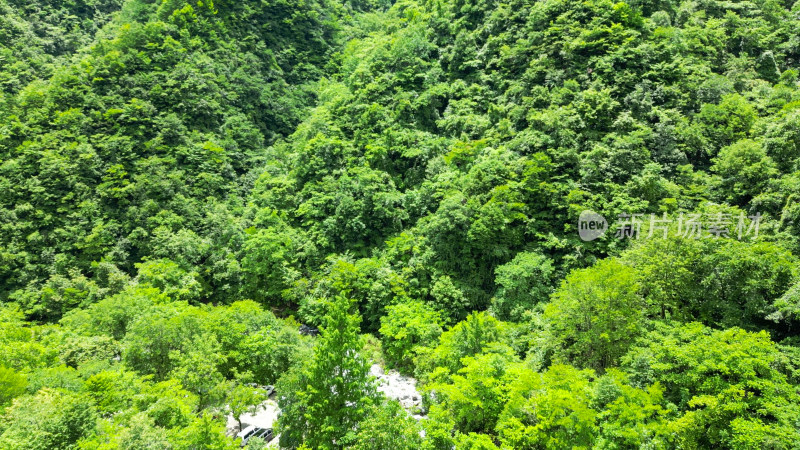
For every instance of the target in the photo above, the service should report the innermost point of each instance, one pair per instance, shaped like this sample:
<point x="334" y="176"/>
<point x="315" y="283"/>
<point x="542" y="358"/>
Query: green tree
<point x="404" y="328"/>
<point x="267" y="260"/>
<point x="168" y="277"/>
<point x="728" y="121"/>
<point x="196" y="366"/>
<point x="726" y="384"/>
<point x="141" y="434"/>
<point x="745" y="170"/>
<point x="204" y="433"/>
<point x="567" y="407"/>
<point x="269" y="353"/>
<point x="57" y="419"/>
<point x="522" y="284"/>
<point x="473" y="397"/>
<point x="474" y="441"/>
<point x="156" y="339"/>
<point x="721" y="282"/>
<point x="549" y="410"/>
<point x="469" y="337"/>
<point x="336" y="390"/>
<point x="387" y="425"/>
<point x="243" y="400"/>
<point x="596" y="314"/>
<point x="12" y="384"/>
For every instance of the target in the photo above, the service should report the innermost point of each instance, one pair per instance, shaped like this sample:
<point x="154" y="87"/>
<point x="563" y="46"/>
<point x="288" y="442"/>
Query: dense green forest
<point x="185" y="184"/>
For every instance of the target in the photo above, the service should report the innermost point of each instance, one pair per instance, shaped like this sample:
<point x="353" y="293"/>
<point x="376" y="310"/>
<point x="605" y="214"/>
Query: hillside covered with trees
<point x="184" y="184"/>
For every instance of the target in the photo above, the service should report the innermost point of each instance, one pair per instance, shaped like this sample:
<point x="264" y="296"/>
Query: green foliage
<point x="175" y="174"/>
<point x="387" y="425"/>
<point x="113" y="315"/>
<point x="205" y="433"/>
<point x="368" y="281"/>
<point x="12" y="384"/>
<point x="522" y="284"/>
<point x="156" y="334"/>
<point x="335" y="389"/>
<point x="266" y="263"/>
<point x="474" y="335"/>
<point x="745" y="169"/>
<point x="243" y="399"/>
<point x="596" y="315"/>
<point x="722" y="282"/>
<point x="60" y="377"/>
<point x="142" y="434"/>
<point x="405" y="328"/>
<point x="726" y="384"/>
<point x="196" y="367"/>
<point x="111" y="391"/>
<point x="20" y="347"/>
<point x="136" y="147"/>
<point x="566" y="406"/>
<point x="473" y="397"/>
<point x="170" y="279"/>
<point x="727" y="122"/>
<point x="57" y="419"/>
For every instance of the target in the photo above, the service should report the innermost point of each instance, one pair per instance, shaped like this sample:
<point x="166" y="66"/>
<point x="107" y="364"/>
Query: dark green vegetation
<point x="181" y="182"/>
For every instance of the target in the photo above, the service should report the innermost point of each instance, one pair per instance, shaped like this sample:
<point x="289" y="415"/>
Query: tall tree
<point x="335" y="389"/>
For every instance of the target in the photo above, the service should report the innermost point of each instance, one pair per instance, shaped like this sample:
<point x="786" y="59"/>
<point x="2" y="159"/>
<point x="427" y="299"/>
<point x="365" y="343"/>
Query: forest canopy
<point x="187" y="185"/>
